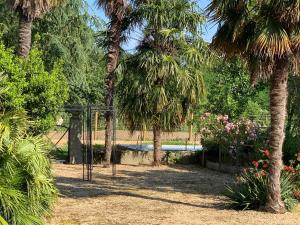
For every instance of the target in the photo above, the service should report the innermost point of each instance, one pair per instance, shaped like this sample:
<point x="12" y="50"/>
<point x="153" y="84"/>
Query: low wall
<point x="130" y="157"/>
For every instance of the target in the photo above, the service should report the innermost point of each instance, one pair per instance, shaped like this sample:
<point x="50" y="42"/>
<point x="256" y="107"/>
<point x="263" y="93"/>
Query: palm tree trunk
<point x="114" y="37"/>
<point x="278" y="99"/>
<point x="156" y="145"/>
<point x="24" y="36"/>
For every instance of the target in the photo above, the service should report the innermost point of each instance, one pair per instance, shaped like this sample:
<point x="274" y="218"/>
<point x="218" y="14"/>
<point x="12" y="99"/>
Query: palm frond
<point x="112" y="8"/>
<point x="33" y="8"/>
<point x="272" y="42"/>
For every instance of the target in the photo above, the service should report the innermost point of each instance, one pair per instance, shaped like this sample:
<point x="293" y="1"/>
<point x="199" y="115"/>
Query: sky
<point x="208" y="29"/>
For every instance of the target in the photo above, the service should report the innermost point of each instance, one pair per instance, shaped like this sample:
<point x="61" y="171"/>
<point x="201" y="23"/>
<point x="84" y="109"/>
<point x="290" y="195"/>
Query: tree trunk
<point x="114" y="37"/>
<point x="24" y="36"/>
<point x="278" y="99"/>
<point x="156" y="145"/>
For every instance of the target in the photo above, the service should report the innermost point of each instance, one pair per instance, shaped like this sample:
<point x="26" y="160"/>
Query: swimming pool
<point x="149" y="147"/>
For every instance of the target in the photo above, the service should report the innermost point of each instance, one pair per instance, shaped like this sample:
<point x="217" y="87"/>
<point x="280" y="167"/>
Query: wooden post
<point x="203" y="157"/>
<point x="96" y="125"/>
<point x="220" y="157"/>
<point x="191" y="127"/>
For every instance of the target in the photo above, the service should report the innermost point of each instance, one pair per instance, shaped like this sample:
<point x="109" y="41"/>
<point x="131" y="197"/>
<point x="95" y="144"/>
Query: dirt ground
<point x="151" y="196"/>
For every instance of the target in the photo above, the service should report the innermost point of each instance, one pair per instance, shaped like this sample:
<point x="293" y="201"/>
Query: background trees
<point x="68" y="34"/>
<point x="65" y="57"/>
<point x="28" y="11"/>
<point x="31" y="88"/>
<point x="266" y="35"/>
<point x="230" y="93"/>
<point x="162" y="79"/>
<point x="116" y="10"/>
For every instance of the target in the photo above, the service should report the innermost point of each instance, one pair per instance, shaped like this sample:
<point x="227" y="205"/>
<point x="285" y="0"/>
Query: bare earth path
<point x="151" y="196"/>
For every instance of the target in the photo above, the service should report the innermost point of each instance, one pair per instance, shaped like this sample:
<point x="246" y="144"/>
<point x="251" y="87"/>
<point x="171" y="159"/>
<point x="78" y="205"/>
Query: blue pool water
<point x="149" y="147"/>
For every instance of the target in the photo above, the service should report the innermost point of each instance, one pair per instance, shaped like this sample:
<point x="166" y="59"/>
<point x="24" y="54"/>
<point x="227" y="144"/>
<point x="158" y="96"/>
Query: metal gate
<point x="91" y="115"/>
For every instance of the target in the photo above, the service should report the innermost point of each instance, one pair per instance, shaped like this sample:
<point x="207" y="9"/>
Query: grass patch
<point x="59" y="153"/>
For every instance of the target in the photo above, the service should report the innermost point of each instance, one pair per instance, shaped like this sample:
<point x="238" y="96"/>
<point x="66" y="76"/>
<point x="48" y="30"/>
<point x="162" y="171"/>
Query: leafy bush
<point x="234" y="137"/>
<point x="250" y="192"/>
<point x="31" y="88"/>
<point x="45" y="93"/>
<point x="290" y="147"/>
<point x="27" y="188"/>
<point x="15" y="80"/>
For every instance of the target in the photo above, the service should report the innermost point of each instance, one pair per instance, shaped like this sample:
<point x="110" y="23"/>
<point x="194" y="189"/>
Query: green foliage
<point x="68" y="34"/>
<point x="14" y="80"/>
<point x="184" y="157"/>
<point x="45" y="93"/>
<point x="27" y="188"/>
<point x="230" y="92"/>
<point x="162" y="80"/>
<point x="263" y="32"/>
<point x="251" y="191"/>
<point x="2" y="221"/>
<point x="9" y="24"/>
<point x="31" y="88"/>
<point x="291" y="147"/>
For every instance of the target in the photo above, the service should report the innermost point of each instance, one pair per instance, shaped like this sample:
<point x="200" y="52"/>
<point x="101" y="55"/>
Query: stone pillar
<point x="75" y="147"/>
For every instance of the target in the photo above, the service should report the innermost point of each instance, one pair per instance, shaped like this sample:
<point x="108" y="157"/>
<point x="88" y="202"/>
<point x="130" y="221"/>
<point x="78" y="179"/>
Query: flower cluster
<point x="260" y="168"/>
<point x="229" y="134"/>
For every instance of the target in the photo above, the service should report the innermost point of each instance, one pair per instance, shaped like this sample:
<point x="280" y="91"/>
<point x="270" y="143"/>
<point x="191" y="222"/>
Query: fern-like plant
<point x="27" y="189"/>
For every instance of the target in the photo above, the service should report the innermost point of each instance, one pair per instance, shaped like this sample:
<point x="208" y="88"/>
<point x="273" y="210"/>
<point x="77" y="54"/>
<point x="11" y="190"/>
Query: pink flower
<point x="288" y="168"/>
<point x="227" y="129"/>
<point x="207" y="114"/>
<point x="266" y="153"/>
<point x="263" y="173"/>
<point x="265" y="166"/>
<point x="246" y="170"/>
<point x="255" y="163"/>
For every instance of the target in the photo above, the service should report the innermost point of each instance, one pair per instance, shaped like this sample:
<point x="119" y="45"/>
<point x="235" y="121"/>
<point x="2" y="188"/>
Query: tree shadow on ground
<point x="148" y="183"/>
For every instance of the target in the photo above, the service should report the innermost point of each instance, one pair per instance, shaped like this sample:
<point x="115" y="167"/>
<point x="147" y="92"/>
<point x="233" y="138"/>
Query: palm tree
<point x="27" y="187"/>
<point x="162" y="79"/>
<point x="116" y="11"/>
<point x="266" y="34"/>
<point x="28" y="11"/>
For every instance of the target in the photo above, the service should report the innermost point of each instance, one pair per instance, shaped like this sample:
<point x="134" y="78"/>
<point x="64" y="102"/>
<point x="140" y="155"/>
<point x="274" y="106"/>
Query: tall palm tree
<point x="267" y="35"/>
<point x="116" y="11"/>
<point x="161" y="80"/>
<point x="28" y="11"/>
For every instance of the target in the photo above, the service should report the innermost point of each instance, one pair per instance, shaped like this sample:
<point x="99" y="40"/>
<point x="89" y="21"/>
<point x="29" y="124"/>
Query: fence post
<point x="220" y="157"/>
<point x="96" y="125"/>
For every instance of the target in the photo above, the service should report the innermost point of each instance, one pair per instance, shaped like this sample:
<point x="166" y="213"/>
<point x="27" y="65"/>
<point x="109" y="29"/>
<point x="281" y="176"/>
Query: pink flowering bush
<point x="227" y="134"/>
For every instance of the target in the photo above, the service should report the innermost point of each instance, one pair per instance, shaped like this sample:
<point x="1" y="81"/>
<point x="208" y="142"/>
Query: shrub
<point x="250" y="191"/>
<point x="233" y="137"/>
<point x="27" y="188"/>
<point x="31" y="88"/>
<point x="290" y="147"/>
